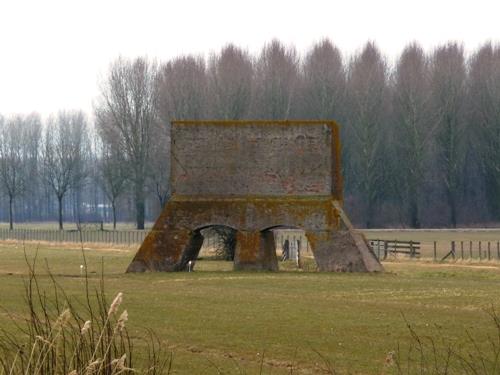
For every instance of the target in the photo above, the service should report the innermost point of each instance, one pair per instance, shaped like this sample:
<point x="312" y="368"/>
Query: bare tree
<point x="323" y="87"/>
<point x="182" y="93"/>
<point x="19" y="140"/>
<point x="113" y="175"/>
<point x="160" y="164"/>
<point x="484" y="102"/>
<point x="183" y="89"/>
<point x="63" y="154"/>
<point x="126" y="116"/>
<point x="448" y="87"/>
<point x="413" y="128"/>
<point x="230" y="76"/>
<point x="276" y="81"/>
<point x="12" y="176"/>
<point x="94" y="195"/>
<point x="324" y="82"/>
<point x="365" y="134"/>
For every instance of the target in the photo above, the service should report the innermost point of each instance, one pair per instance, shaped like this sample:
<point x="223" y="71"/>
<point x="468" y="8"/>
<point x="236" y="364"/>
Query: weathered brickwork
<point x="247" y="159"/>
<point x="254" y="176"/>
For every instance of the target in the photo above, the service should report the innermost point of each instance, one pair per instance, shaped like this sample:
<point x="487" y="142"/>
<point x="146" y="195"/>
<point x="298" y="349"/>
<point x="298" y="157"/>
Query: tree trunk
<point x="369" y="214"/>
<point x="163" y="200"/>
<point x="139" y="205"/>
<point x="414" y="219"/>
<point x="113" y="205"/>
<point x="11" y="219"/>
<point x="60" y="202"/>
<point x="414" y="214"/>
<point x="453" y="208"/>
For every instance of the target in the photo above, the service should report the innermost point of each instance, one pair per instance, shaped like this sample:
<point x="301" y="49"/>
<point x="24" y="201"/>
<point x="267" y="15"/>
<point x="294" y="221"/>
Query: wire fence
<point x="384" y="249"/>
<point x="437" y="250"/>
<point x="123" y="237"/>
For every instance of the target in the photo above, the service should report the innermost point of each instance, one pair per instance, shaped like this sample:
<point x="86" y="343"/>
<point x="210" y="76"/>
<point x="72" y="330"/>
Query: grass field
<point x="223" y="322"/>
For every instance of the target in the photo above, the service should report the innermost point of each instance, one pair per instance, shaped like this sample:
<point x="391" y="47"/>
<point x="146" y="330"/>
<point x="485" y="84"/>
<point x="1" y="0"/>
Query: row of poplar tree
<point x="420" y="135"/>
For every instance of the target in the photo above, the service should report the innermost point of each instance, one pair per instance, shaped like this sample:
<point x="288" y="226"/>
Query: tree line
<point x="420" y="136"/>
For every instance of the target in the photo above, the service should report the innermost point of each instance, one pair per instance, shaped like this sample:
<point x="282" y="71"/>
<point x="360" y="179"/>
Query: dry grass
<point x="58" y="334"/>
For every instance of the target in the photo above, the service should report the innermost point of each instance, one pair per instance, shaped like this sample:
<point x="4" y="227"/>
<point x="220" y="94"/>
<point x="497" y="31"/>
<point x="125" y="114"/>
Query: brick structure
<point x="254" y="176"/>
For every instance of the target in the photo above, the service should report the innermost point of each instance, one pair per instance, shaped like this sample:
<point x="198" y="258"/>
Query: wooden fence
<point x="382" y="248"/>
<point x="125" y="237"/>
<point x="438" y="250"/>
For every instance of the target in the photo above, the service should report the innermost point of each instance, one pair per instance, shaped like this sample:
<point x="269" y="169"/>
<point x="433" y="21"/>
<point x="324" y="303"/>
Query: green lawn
<point x="214" y="320"/>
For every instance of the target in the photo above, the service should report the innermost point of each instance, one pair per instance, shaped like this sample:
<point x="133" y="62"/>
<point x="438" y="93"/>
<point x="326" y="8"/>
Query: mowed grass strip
<point x="215" y="320"/>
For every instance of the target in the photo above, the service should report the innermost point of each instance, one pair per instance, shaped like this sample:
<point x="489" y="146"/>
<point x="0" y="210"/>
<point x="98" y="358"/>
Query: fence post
<point x="480" y="252"/>
<point x="498" y="250"/>
<point x="435" y="252"/>
<point x="470" y="250"/>
<point x="378" y="249"/>
<point x="489" y="252"/>
<point x="462" y="249"/>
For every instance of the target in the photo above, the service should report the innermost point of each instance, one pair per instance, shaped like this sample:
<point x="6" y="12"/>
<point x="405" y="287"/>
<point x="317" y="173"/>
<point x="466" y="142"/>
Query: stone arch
<point x="280" y="237"/>
<point x="192" y="250"/>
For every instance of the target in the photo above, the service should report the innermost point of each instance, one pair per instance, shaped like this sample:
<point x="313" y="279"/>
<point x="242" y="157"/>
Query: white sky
<point x="53" y="53"/>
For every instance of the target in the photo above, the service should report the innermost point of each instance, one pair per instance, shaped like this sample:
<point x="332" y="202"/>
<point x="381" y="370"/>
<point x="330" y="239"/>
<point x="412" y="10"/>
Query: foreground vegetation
<point x="221" y="322"/>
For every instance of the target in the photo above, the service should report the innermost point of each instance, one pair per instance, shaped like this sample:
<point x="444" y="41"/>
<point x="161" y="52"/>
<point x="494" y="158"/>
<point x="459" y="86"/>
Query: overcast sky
<point x="54" y="53"/>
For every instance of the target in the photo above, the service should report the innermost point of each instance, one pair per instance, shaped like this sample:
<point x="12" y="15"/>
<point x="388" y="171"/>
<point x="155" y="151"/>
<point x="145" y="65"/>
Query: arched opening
<point x="292" y="247"/>
<point x="211" y="248"/>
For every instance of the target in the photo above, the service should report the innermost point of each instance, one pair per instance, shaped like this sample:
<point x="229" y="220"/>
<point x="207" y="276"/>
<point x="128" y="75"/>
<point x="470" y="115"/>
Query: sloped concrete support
<point x="162" y="251"/>
<point x="337" y="251"/>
